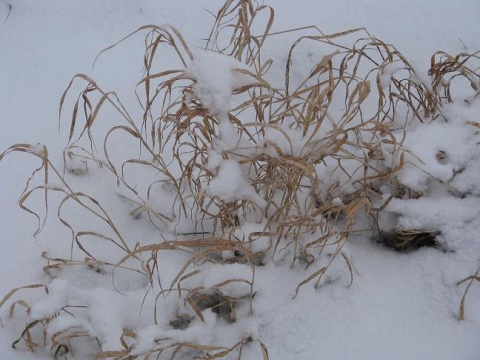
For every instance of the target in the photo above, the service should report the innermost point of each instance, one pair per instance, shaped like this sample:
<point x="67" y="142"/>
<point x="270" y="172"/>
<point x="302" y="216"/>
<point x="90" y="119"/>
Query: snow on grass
<point x="386" y="73"/>
<point x="399" y="306"/>
<point x="216" y="77"/>
<point x="434" y="152"/>
<point x="254" y="234"/>
<point x="230" y="184"/>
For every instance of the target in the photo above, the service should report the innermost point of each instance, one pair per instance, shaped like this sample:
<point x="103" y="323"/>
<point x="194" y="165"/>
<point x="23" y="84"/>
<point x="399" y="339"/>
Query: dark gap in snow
<point x="409" y="240"/>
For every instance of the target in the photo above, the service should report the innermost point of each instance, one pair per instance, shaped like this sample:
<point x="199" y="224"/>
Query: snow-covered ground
<point x="400" y="306"/>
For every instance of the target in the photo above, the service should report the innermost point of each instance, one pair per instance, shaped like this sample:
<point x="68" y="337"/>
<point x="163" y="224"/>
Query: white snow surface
<point x="400" y="306"/>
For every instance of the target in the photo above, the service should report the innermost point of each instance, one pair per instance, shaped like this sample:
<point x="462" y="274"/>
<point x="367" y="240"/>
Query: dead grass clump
<point x="447" y="69"/>
<point x="313" y="156"/>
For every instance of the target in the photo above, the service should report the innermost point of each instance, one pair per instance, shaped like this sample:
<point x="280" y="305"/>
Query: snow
<point x="387" y="72"/>
<point x="219" y="276"/>
<point x="400" y="306"/>
<point x="230" y="184"/>
<point x="434" y="152"/>
<point x="216" y="76"/>
<point x="38" y="150"/>
<point x="254" y="235"/>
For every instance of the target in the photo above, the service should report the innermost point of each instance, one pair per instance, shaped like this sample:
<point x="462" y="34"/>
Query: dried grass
<point x="306" y="216"/>
<point x="470" y="279"/>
